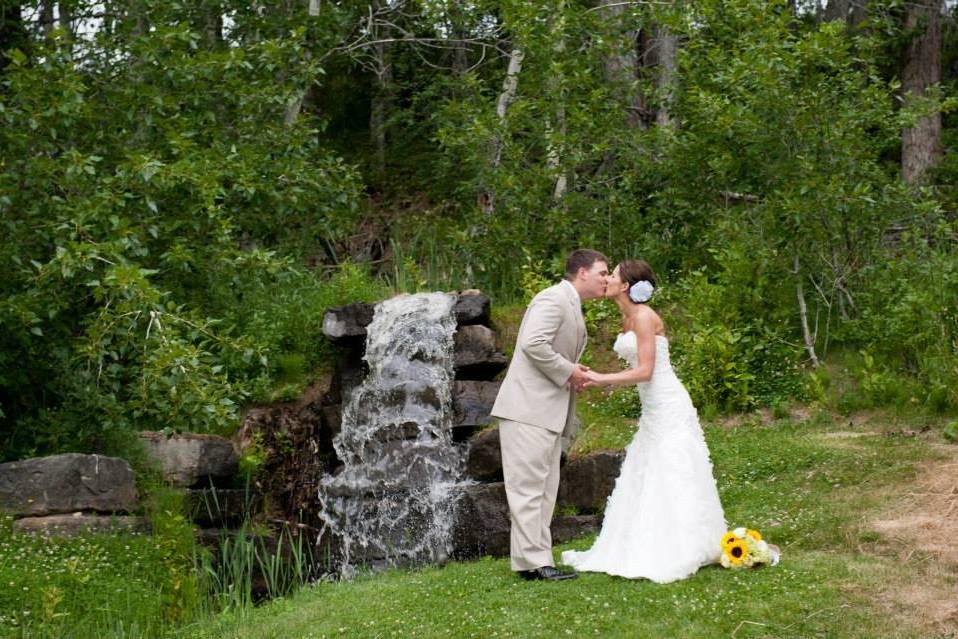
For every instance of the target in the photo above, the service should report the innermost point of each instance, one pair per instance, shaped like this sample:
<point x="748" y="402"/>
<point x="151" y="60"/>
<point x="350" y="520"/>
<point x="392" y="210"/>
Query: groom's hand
<point x="579" y="378"/>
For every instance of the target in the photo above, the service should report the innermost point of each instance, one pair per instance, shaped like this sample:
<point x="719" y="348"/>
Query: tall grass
<point x="247" y="567"/>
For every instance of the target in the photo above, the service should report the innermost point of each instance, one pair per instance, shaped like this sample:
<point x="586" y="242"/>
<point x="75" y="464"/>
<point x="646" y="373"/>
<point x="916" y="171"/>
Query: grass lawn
<point x="812" y="486"/>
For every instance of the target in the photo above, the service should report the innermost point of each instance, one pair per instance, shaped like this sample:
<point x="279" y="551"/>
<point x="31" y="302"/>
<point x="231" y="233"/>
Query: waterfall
<point x="392" y="503"/>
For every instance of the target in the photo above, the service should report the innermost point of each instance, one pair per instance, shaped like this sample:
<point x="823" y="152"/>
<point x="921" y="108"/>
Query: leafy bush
<point x="908" y="324"/>
<point x="730" y="353"/>
<point x="284" y="311"/>
<point x="135" y="190"/>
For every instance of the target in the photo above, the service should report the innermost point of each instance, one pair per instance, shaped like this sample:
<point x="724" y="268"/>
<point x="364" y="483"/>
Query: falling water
<point x="392" y="503"/>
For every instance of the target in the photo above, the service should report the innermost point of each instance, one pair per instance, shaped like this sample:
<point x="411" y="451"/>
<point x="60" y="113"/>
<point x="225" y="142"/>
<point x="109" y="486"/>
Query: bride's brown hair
<point x="633" y="271"/>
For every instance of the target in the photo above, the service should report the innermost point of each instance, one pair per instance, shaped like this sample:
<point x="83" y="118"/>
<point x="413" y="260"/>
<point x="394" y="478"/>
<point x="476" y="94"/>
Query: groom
<point x="536" y="408"/>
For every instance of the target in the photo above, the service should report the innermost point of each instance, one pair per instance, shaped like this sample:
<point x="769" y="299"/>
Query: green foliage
<point x="284" y="309"/>
<point x="727" y="344"/>
<point x="136" y="185"/>
<point x="778" y="176"/>
<point x="253" y="457"/>
<point x="909" y="325"/>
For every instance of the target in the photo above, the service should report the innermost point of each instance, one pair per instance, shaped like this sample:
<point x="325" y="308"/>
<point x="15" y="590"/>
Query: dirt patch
<point x="765" y="417"/>
<point x="848" y="439"/>
<point x="921" y="529"/>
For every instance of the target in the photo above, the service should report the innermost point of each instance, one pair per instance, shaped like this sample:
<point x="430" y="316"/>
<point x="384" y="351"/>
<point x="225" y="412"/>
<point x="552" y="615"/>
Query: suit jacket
<point x="551" y="339"/>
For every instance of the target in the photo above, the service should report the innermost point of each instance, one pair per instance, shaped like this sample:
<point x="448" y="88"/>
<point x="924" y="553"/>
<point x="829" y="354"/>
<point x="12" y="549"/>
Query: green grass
<point x="95" y="586"/>
<point x="791" y="481"/>
<point x="124" y="585"/>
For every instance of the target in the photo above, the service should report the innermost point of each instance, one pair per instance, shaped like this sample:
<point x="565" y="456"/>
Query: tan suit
<point x="536" y="407"/>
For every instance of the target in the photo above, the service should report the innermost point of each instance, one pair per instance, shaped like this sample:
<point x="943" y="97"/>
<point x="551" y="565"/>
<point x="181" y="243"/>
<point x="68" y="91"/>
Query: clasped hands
<point x="583" y="377"/>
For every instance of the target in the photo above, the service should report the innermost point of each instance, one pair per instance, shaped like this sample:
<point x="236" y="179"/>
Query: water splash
<point x="393" y="502"/>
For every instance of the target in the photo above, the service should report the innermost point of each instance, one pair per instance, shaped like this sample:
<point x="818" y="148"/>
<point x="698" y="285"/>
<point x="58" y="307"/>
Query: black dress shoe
<point x="547" y="573"/>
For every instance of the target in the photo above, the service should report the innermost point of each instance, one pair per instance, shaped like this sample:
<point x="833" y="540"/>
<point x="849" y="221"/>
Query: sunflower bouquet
<point x="744" y="548"/>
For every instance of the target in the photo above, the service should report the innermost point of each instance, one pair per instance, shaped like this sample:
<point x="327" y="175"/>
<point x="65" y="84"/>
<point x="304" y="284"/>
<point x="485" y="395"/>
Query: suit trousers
<point x="530" y="467"/>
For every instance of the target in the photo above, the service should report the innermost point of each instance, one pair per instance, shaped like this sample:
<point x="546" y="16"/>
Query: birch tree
<point x="487" y="195"/>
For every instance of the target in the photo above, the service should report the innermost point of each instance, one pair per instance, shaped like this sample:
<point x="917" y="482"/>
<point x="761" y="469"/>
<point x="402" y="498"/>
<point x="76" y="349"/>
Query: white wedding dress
<point x="664" y="519"/>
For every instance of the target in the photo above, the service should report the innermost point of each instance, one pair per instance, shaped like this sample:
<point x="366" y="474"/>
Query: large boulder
<point x="587" y="482"/>
<point x="332" y="424"/>
<point x="472" y="403"/>
<point x="192" y="459"/>
<point x="482" y="522"/>
<point x="484" y="459"/>
<point x="472" y="307"/>
<point x="347" y="324"/>
<point x="350" y="371"/>
<point x="80" y="524"/>
<point x="568" y="527"/>
<point x="475" y="353"/>
<point x="67" y="483"/>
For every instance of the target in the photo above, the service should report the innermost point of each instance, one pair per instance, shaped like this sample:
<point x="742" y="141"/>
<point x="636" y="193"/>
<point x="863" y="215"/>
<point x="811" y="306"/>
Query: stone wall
<point x="69" y="494"/>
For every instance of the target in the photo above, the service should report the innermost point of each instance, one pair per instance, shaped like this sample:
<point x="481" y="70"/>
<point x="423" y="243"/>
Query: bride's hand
<point x="594" y="379"/>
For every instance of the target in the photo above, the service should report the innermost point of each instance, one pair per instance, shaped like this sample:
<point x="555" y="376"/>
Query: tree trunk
<point x="487" y="196"/>
<point x="659" y="51"/>
<point x="803" y="313"/>
<point x="837" y="10"/>
<point x="13" y="35"/>
<point x="621" y="68"/>
<point x="921" y="144"/>
<point x="46" y="18"/>
<point x="859" y="12"/>
<point x="556" y="134"/>
<point x="460" y="54"/>
<point x="66" y="17"/>
<point x="381" y="104"/>
<point x="305" y="95"/>
<point x="214" y="26"/>
<point x="668" y="53"/>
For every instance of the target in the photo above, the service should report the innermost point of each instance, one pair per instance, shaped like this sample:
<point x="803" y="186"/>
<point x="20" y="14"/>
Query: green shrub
<point x="730" y="352"/>
<point x="133" y="199"/>
<point x="907" y="327"/>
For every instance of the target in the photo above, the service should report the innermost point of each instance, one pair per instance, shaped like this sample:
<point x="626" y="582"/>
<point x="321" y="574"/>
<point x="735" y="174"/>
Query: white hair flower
<point x="641" y="291"/>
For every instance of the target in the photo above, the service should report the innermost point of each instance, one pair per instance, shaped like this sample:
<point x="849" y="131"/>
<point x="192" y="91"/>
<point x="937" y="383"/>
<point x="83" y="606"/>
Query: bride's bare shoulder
<point x="647" y="320"/>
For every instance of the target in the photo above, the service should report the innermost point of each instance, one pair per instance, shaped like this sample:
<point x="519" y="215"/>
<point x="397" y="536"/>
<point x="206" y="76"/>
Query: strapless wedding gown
<point x="664" y="519"/>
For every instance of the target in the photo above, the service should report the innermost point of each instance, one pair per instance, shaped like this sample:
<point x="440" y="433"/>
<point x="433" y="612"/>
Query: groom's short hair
<point x="582" y="258"/>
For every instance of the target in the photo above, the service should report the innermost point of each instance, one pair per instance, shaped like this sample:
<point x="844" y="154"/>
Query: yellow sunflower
<point x="728" y="538"/>
<point x="736" y="552"/>
<point x="753" y="534"/>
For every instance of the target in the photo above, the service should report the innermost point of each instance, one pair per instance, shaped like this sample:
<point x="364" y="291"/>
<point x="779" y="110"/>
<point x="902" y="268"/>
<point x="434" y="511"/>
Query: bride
<point x="663" y="520"/>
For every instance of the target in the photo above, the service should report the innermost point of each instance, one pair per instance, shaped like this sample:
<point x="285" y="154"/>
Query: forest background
<point x="187" y="186"/>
